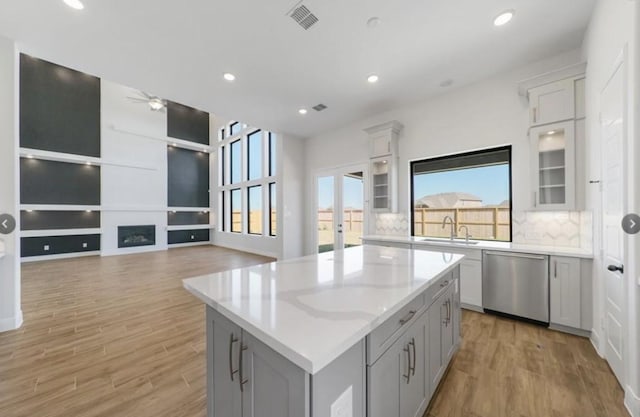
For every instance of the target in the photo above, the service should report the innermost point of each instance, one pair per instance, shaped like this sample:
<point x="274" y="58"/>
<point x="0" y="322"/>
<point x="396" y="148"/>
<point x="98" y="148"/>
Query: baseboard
<point x="471" y="307"/>
<point x="188" y="244"/>
<point x="595" y="342"/>
<point x="12" y="323"/>
<point x="59" y="256"/>
<point x="570" y="330"/>
<point x="632" y="402"/>
<point x="248" y="250"/>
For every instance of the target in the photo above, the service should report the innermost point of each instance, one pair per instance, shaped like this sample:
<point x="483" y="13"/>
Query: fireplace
<point x="133" y="236"/>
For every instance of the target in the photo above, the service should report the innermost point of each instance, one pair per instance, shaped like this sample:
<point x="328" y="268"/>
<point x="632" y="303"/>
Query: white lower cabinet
<point x="565" y="291"/>
<point x="441" y="336"/>
<point x="471" y="283"/>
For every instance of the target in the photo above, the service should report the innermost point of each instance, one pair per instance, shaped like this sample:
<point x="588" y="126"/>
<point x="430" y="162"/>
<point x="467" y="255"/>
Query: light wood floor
<point x="119" y="336"/>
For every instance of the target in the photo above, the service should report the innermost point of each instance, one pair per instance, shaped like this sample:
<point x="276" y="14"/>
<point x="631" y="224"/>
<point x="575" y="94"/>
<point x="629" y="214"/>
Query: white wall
<point x="134" y="170"/>
<point x="485" y="114"/>
<point x="10" y="312"/>
<point x="613" y="27"/>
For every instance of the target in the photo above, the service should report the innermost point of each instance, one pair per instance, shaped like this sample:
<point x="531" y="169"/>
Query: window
<point x="272" y="154"/>
<point x="471" y="190"/>
<point x="254" y="155"/>
<point x="255" y="210"/>
<point x="236" y="210"/>
<point x="236" y="161"/>
<point x="247" y="187"/>
<point x="272" y="210"/>
<point x="235" y="128"/>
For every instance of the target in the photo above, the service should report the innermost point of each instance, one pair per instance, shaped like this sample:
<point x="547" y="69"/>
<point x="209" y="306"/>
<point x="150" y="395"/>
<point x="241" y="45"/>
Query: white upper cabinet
<point x="553" y="102"/>
<point x="554" y="166"/>
<point x="383" y="142"/>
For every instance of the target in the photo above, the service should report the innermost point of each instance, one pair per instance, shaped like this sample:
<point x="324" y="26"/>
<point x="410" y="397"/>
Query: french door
<point x="340" y="208"/>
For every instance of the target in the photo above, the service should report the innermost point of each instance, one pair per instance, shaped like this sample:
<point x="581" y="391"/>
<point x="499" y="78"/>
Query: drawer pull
<point x="408" y="317"/>
<point x="444" y="284"/>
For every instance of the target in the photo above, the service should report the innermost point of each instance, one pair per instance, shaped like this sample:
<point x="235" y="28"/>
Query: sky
<point x="353" y="192"/>
<point x="489" y="183"/>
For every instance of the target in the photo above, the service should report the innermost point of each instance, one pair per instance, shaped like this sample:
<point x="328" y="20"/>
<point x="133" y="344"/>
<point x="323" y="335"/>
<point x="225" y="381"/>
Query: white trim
<point x="11" y="323"/>
<point x="59" y="256"/>
<point x="595" y="342"/>
<point x="187" y="209"/>
<point x="190" y="227"/>
<point x="58" y="207"/>
<point x="632" y="402"/>
<point x="58" y="156"/>
<point x="60" y="232"/>
<point x="571" y="71"/>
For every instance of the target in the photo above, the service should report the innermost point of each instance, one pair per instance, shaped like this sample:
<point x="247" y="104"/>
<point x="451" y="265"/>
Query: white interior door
<point x="340" y="208"/>
<point x="613" y="131"/>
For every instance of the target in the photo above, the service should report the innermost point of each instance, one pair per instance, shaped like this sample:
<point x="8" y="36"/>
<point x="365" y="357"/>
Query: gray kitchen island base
<point x="393" y="371"/>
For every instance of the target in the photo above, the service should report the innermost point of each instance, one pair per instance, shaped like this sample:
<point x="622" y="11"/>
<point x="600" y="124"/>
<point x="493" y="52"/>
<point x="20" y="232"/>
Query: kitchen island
<point x="367" y="331"/>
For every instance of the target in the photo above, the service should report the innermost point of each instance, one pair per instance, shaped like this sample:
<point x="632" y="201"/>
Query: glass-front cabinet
<point x="381" y="175"/>
<point x="553" y="166"/>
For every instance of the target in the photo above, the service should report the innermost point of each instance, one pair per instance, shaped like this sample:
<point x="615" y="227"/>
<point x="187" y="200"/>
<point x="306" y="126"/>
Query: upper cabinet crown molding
<point x="383" y="152"/>
<point x="393" y="127"/>
<point x="384" y="139"/>
<point x="575" y="70"/>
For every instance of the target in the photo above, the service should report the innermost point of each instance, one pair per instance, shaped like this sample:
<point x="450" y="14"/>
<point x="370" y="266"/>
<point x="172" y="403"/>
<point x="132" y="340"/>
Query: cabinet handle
<point x="242" y="380"/>
<point x="555" y="269"/>
<point x="535" y="115"/>
<point x="413" y="348"/>
<point x="448" y="312"/>
<point x="408" y="375"/>
<point x="233" y="339"/>
<point x="408" y="317"/>
<point x="535" y="199"/>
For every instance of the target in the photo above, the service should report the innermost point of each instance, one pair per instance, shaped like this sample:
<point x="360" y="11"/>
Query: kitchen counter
<point x="313" y="309"/>
<point x="483" y="244"/>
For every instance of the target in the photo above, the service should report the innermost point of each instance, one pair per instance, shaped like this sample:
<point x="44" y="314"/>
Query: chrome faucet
<point x="466" y="232"/>
<point x="453" y="227"/>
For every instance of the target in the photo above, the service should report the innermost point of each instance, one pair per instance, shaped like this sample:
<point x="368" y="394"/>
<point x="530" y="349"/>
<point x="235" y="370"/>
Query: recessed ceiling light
<point x="372" y="79"/>
<point x="174" y="144"/>
<point x="74" y="4"/>
<point x="373" y="22"/>
<point x="302" y="111"/>
<point x="88" y="211"/>
<point x="551" y="132"/>
<point x="88" y="163"/>
<point x="156" y="104"/>
<point x="229" y="76"/>
<point x="504" y="18"/>
<point x="30" y="156"/>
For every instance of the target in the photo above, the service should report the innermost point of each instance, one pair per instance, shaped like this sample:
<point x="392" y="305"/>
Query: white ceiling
<point x="179" y="49"/>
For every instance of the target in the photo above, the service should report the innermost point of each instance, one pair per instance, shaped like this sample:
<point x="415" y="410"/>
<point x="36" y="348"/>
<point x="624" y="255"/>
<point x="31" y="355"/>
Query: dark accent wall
<point x="51" y="182"/>
<point x="182" y="218"/>
<point x="59" y="108"/>
<point x="35" y="246"/>
<point x="188" y="178"/>
<point x="47" y="220"/>
<point x="184" y="122"/>
<point x="188" y="236"/>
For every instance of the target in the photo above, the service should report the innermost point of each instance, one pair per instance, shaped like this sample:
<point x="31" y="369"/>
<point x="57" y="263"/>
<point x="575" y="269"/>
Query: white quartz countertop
<point x="484" y="244"/>
<point x="312" y="309"/>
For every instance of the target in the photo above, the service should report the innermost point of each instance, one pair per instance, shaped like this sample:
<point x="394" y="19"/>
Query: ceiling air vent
<point x="303" y="16"/>
<point x="319" y="107"/>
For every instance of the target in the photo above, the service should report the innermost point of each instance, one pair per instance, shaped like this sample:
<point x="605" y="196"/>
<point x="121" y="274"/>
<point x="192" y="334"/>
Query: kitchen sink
<point x="443" y="240"/>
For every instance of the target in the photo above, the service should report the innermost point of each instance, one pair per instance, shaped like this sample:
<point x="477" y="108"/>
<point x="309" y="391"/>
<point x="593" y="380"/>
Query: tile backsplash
<point x="549" y="228"/>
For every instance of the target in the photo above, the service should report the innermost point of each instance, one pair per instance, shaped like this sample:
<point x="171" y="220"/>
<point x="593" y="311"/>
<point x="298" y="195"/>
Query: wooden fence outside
<point x="255" y="221"/>
<point x="483" y="223"/>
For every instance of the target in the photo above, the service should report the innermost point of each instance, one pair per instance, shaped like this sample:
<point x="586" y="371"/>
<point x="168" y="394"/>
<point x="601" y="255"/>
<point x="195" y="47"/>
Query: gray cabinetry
<point x="397" y="380"/>
<point x="441" y="336"/>
<point x="247" y="378"/>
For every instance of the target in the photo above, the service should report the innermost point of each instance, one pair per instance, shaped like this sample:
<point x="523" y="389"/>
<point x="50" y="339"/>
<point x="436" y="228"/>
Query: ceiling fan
<point x="155" y="103"/>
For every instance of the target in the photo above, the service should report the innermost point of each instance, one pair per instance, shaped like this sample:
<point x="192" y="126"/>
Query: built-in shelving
<point x="59" y="232"/>
<point x="178" y="143"/>
<point x="190" y="227"/>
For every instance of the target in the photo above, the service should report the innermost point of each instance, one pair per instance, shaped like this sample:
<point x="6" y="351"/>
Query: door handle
<point x="408" y="375"/>
<point x="413" y="348"/>
<point x="242" y="380"/>
<point x="233" y="339"/>
<point x="614" y="268"/>
<point x="408" y="317"/>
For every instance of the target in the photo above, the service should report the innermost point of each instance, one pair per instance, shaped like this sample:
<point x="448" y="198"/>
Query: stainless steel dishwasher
<point x="516" y="284"/>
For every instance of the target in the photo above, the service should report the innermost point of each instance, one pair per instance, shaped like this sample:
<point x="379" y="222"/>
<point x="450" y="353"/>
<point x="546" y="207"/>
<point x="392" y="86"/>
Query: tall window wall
<point x="247" y="180"/>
